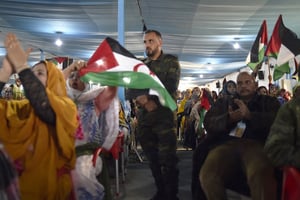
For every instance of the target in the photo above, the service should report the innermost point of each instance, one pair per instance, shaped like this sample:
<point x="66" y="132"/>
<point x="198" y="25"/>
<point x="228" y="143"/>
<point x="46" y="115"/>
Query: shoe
<point x="158" y="196"/>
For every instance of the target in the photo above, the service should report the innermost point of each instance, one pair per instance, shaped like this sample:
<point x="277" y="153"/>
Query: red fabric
<point x="117" y="146"/>
<point x="204" y="101"/>
<point x="102" y="59"/>
<point x="115" y="150"/>
<point x="63" y="170"/>
<point x="291" y="184"/>
<point x="79" y="132"/>
<point x="275" y="41"/>
<point x="60" y="59"/>
<point x="95" y="155"/>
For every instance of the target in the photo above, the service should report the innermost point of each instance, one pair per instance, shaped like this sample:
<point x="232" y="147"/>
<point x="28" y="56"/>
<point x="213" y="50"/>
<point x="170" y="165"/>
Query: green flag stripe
<point x="260" y="59"/>
<point x="136" y="80"/>
<point x="279" y="71"/>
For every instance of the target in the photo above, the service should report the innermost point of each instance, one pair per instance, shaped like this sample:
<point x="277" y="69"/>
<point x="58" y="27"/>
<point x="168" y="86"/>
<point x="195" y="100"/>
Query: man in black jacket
<point x="232" y="154"/>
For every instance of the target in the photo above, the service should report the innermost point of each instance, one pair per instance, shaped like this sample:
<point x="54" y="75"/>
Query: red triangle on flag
<point x="275" y="41"/>
<point x="103" y="59"/>
<point x="60" y="59"/>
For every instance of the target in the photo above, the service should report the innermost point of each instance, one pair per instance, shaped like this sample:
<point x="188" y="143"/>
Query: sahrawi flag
<point x="284" y="45"/>
<point x="113" y="65"/>
<point x="257" y="53"/>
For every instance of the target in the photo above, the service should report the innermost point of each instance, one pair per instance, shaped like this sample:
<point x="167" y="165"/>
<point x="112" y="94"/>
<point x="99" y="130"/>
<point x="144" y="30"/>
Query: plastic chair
<point x="290" y="183"/>
<point x="115" y="151"/>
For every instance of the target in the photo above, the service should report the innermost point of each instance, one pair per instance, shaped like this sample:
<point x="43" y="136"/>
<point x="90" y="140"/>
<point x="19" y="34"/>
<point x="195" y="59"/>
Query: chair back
<point x="291" y="183"/>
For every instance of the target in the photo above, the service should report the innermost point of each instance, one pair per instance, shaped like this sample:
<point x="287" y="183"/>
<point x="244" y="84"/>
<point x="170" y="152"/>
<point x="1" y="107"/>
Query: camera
<point x="231" y="101"/>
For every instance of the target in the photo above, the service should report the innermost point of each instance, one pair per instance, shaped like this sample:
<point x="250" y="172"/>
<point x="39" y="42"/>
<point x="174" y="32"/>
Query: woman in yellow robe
<point x="38" y="132"/>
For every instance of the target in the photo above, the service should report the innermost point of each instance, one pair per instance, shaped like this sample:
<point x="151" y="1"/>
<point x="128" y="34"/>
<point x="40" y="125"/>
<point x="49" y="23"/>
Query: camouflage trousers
<point x="157" y="135"/>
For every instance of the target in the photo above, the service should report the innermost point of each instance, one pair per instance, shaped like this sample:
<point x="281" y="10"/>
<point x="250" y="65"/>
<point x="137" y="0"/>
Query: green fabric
<point x="200" y="132"/>
<point x="86" y="149"/>
<point x="139" y="80"/>
<point x="260" y="59"/>
<point x="283" y="143"/>
<point x="167" y="69"/>
<point x="279" y="71"/>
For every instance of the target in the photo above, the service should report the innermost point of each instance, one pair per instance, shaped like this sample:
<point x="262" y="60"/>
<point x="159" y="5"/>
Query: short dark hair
<point x="157" y="33"/>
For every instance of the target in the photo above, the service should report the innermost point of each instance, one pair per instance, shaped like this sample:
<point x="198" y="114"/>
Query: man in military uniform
<point x="156" y="123"/>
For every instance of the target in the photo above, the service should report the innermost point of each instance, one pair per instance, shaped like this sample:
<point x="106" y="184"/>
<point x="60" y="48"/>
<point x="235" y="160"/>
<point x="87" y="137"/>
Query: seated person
<point x="231" y="154"/>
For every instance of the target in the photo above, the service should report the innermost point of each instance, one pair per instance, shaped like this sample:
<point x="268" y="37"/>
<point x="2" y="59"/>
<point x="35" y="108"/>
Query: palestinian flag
<point x="284" y="45"/>
<point x="280" y="70"/>
<point x="257" y="53"/>
<point x="113" y="65"/>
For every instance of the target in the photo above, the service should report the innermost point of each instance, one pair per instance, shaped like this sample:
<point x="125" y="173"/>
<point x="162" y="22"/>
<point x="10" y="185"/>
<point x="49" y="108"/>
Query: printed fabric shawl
<point x="98" y="109"/>
<point x="45" y="153"/>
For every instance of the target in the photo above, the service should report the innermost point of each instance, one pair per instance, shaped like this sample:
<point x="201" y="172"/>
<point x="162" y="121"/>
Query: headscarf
<point x="225" y="89"/>
<point x="43" y="150"/>
<point x="83" y="96"/>
<point x="97" y="109"/>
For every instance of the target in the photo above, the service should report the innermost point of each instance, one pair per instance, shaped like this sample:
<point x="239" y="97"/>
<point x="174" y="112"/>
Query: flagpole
<point x="270" y="75"/>
<point x="121" y="19"/>
<point x="298" y="72"/>
<point x="258" y="67"/>
<point x="121" y="22"/>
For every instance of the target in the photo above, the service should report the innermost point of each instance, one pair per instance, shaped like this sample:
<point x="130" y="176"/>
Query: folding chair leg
<point x="123" y="166"/>
<point x="117" y="178"/>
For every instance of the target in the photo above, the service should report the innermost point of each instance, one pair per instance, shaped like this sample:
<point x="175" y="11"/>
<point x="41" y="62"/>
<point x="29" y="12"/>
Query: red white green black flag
<point x="257" y="52"/>
<point x="113" y="65"/>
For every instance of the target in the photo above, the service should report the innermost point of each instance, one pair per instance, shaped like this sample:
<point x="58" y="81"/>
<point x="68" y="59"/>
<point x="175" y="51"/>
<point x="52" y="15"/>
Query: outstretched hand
<point x="15" y="52"/>
<point x="77" y="65"/>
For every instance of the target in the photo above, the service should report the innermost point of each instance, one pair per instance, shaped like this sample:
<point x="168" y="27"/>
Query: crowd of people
<point x="53" y="122"/>
<point x="240" y="126"/>
<point x="58" y="123"/>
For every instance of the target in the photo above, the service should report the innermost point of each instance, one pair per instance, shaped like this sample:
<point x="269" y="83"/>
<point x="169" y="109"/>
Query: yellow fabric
<point x="17" y="92"/>
<point x="181" y="105"/>
<point x="42" y="149"/>
<point x="122" y="119"/>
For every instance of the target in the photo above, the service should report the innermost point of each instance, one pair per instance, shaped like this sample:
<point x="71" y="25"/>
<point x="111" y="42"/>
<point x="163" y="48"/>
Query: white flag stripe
<point x="284" y="55"/>
<point x="128" y="65"/>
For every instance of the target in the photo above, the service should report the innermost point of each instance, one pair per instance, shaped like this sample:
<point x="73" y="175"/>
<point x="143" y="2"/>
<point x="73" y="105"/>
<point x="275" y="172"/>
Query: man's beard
<point x="150" y="53"/>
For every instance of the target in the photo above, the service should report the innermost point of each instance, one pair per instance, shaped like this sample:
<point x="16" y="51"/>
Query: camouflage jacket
<point x="283" y="143"/>
<point x="167" y="69"/>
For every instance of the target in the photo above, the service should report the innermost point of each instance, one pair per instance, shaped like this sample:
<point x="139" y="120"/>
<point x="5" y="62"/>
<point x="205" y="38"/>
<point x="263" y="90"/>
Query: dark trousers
<point x="199" y="155"/>
<point x="157" y="136"/>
